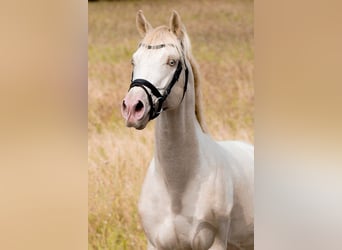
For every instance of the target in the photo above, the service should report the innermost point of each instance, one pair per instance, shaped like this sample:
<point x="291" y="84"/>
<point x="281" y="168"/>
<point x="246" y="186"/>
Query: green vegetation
<point x="222" y="38"/>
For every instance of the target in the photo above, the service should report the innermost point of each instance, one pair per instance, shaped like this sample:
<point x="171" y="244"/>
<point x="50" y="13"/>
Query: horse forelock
<point x="159" y="35"/>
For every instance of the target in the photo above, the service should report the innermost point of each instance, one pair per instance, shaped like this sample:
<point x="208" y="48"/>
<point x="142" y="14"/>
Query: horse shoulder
<point x="241" y="160"/>
<point x="214" y="183"/>
<point x="240" y="157"/>
<point x="153" y="201"/>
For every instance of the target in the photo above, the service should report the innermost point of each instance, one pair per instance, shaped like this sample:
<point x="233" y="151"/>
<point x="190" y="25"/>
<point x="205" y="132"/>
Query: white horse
<point x="198" y="193"/>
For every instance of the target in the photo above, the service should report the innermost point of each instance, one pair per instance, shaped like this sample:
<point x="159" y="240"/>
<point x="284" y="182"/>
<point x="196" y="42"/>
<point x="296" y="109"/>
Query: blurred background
<point x="221" y="33"/>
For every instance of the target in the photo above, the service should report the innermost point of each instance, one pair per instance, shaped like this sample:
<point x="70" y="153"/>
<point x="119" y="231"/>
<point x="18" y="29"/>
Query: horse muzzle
<point x="135" y="108"/>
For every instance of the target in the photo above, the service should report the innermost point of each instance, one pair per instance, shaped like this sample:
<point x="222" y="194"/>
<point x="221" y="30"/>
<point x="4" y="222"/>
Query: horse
<point x="197" y="193"/>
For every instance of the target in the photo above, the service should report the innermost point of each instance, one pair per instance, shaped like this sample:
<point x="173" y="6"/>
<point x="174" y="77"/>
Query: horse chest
<point x="167" y="217"/>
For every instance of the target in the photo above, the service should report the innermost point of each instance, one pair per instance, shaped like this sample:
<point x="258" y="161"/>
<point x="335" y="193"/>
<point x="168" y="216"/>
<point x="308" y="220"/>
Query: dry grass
<point x="222" y="37"/>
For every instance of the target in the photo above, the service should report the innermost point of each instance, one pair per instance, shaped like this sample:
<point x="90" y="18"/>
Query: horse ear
<point x="143" y="25"/>
<point x="176" y="25"/>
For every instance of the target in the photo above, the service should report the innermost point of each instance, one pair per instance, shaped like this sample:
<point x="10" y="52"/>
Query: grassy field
<point x="221" y="32"/>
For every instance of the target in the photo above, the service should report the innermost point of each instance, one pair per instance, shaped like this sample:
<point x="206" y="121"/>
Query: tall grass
<point x="221" y="32"/>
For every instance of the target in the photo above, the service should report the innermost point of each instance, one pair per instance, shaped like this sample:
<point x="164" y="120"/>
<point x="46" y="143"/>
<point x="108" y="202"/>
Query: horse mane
<point x="160" y="34"/>
<point x="197" y="81"/>
<point x="198" y="95"/>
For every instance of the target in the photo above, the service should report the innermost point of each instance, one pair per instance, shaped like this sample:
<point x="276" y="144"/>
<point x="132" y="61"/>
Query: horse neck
<point x="177" y="151"/>
<point x="176" y="133"/>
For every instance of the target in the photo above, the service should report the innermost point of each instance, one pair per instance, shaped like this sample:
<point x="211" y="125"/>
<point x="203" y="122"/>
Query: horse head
<point x="160" y="72"/>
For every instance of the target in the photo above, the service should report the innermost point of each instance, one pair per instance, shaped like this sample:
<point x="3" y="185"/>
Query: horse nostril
<point x="139" y="106"/>
<point x="124" y="105"/>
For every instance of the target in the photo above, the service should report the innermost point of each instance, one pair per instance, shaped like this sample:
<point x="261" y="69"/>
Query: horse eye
<point x="172" y="62"/>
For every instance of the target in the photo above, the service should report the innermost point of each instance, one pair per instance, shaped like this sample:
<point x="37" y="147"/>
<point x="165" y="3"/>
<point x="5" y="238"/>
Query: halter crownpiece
<point x="156" y="108"/>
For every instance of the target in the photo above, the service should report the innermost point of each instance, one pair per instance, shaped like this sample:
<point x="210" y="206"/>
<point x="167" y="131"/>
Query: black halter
<point x="156" y="108"/>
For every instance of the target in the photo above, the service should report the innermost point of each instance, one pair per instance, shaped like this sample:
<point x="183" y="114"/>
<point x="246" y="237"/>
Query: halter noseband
<point x="156" y="108"/>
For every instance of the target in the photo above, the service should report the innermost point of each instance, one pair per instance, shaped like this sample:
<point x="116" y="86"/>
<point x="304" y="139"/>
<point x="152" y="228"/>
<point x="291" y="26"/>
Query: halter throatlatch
<point x="156" y="108"/>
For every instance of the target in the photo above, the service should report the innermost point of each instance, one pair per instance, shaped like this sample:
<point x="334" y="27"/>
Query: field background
<point x="221" y="32"/>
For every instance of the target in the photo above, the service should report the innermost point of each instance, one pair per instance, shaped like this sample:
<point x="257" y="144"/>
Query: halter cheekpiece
<point x="156" y="108"/>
